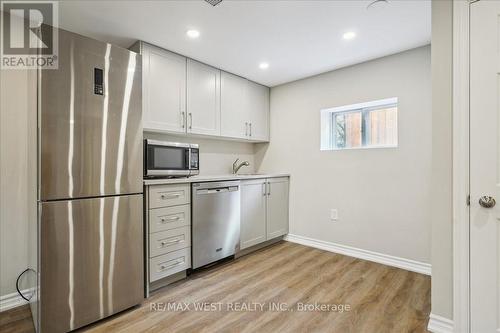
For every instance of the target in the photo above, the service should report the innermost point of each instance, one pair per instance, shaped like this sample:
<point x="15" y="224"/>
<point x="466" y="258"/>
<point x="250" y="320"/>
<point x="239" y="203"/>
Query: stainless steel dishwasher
<point x="215" y="220"/>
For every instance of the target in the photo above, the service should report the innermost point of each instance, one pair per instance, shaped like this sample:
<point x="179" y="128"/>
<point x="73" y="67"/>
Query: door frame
<point x="461" y="165"/>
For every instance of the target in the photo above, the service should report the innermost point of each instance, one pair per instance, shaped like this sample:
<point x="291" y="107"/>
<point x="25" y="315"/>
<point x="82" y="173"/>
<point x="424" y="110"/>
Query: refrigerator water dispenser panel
<point x="98" y="86"/>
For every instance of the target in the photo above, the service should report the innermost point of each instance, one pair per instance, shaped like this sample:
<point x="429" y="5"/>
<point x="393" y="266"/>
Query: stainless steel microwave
<point x="170" y="159"/>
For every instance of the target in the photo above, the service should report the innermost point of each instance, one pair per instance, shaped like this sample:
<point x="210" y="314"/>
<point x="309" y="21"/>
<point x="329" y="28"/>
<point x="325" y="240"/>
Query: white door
<point x="277" y="207"/>
<point x="258" y="104"/>
<point x="203" y="99"/>
<point x="164" y="90"/>
<point x="234" y="111"/>
<point x="253" y="212"/>
<point x="484" y="166"/>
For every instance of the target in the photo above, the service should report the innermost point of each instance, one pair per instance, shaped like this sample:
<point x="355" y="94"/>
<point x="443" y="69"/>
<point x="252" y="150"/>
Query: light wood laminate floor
<point x="381" y="298"/>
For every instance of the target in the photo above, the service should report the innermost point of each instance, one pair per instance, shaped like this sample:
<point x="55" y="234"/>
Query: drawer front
<point x="168" y="264"/>
<point x="169" y="195"/>
<point x="161" y="219"/>
<point x="171" y="240"/>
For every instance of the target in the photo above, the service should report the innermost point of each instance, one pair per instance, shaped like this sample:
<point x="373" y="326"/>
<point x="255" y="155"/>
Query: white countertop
<point x="210" y="178"/>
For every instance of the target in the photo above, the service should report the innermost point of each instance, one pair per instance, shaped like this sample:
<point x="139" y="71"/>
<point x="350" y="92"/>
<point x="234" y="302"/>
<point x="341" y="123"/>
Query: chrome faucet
<point x="238" y="167"/>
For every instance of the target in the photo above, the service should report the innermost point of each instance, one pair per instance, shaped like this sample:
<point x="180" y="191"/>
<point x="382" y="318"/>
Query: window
<point x="365" y="125"/>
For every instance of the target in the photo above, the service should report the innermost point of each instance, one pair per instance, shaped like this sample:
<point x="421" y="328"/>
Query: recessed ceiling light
<point x="349" y="35"/>
<point x="263" y="65"/>
<point x="193" y="33"/>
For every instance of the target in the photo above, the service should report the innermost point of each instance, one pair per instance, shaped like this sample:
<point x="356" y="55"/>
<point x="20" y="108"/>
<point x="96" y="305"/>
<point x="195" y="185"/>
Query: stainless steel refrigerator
<point x="90" y="225"/>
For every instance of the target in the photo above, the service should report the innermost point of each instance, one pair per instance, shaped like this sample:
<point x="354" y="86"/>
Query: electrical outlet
<point x="334" y="214"/>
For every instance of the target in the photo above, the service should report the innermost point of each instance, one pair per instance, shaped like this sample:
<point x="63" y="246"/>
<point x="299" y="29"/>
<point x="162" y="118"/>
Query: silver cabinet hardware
<point x="250" y="129"/>
<point x="170" y="196"/>
<point x="167" y="243"/>
<point x="170" y="219"/>
<point x="487" y="201"/>
<point x="183" y="119"/>
<point x="165" y="267"/>
<point x="264" y="188"/>
<point x="190" y="120"/>
<point x="246" y="129"/>
<point x="268" y="188"/>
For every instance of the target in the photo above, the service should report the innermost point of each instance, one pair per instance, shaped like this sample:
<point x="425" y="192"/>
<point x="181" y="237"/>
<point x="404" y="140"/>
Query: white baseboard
<point x="13" y="300"/>
<point x="438" y="324"/>
<point x="410" y="265"/>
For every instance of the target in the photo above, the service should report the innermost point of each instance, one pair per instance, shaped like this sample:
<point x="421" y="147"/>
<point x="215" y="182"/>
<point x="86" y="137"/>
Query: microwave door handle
<point x="189" y="159"/>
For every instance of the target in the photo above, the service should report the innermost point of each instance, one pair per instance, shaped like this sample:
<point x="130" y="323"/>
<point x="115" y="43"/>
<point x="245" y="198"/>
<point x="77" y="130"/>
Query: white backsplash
<point x="216" y="156"/>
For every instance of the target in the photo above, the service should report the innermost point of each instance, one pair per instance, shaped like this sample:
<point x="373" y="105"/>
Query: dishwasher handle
<point x="217" y="190"/>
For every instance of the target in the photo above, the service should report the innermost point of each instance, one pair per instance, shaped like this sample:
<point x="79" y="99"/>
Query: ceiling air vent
<point x="377" y="4"/>
<point x="214" y="2"/>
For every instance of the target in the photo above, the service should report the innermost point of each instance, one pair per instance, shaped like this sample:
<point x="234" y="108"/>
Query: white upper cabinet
<point x="244" y="108"/>
<point x="203" y="99"/>
<point x="258" y="105"/>
<point x="164" y="90"/>
<point x="234" y="111"/>
<point x="183" y="96"/>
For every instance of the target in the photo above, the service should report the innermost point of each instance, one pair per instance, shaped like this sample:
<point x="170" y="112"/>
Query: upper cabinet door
<point x="164" y="91"/>
<point x="258" y="104"/>
<point x="181" y="95"/>
<point x="277" y="207"/>
<point x="203" y="99"/>
<point x="234" y="110"/>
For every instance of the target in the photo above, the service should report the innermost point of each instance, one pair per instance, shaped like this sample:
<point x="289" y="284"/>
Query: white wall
<point x="382" y="195"/>
<point x="14" y="177"/>
<point x="216" y="156"/>
<point x="442" y="223"/>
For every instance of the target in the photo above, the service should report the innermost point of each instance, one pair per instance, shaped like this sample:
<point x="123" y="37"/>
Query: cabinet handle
<point x="183" y="120"/>
<point x="163" y="244"/>
<point x="170" y="196"/>
<point x="190" y="120"/>
<point x="164" y="220"/>
<point x="246" y="129"/>
<point x="250" y="129"/>
<point x="264" y="187"/>
<point x="268" y="188"/>
<point x="165" y="267"/>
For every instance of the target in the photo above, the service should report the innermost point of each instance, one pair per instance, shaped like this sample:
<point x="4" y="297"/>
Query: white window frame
<point x="328" y="123"/>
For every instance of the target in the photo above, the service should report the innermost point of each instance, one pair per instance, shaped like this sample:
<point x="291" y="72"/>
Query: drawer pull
<point x="179" y="240"/>
<point x="170" y="219"/>
<point x="170" y="196"/>
<point x="165" y="267"/>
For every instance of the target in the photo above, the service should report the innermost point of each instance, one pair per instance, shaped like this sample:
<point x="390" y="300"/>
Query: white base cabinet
<point x="264" y="210"/>
<point x="253" y="213"/>
<point x="167" y="233"/>
<point x="277" y="207"/>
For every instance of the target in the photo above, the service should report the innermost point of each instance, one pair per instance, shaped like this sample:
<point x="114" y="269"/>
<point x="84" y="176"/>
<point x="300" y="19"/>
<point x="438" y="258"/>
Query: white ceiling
<point x="297" y="38"/>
